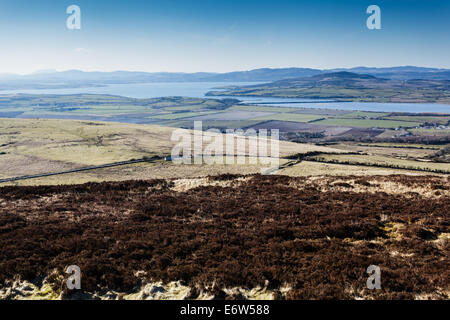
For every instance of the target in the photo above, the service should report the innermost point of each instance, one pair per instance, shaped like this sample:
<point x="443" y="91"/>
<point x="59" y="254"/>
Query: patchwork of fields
<point x="181" y="112"/>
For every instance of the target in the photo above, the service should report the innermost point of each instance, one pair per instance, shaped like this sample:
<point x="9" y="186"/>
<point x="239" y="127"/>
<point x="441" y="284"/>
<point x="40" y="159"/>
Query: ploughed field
<point x="229" y="237"/>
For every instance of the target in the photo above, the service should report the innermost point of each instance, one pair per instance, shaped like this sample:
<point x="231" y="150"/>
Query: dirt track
<point x="316" y="237"/>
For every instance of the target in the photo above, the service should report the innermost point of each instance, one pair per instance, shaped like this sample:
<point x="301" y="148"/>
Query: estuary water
<point x="199" y="89"/>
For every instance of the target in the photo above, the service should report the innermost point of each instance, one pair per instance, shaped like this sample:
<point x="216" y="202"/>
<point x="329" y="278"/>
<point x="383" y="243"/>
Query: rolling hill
<point x="349" y="86"/>
<point x="75" y="78"/>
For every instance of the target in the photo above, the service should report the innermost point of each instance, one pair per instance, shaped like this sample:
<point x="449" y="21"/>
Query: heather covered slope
<point x="229" y="236"/>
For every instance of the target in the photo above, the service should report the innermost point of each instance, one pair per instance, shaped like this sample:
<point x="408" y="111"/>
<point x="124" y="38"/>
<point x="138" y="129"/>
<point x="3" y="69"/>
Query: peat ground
<point x="314" y="238"/>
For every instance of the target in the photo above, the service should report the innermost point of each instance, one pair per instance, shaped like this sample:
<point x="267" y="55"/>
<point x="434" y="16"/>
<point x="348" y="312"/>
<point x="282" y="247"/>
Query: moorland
<point x="234" y="237"/>
<point x="114" y="128"/>
<point x="353" y="189"/>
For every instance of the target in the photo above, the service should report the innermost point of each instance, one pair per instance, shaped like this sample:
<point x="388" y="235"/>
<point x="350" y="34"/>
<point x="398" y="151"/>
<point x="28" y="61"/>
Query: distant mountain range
<point x="347" y="86"/>
<point x="76" y="78"/>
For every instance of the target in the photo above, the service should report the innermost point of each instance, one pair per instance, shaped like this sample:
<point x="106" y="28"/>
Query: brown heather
<point x="315" y="236"/>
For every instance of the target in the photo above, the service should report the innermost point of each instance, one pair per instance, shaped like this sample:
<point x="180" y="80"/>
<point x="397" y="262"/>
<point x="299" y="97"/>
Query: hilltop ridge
<point x="348" y="86"/>
<point x="46" y="79"/>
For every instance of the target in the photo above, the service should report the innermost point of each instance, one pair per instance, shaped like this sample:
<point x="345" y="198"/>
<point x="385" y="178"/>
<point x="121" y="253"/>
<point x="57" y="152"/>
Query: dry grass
<point x="308" y="168"/>
<point x="41" y="146"/>
<point x="377" y="160"/>
<point x="142" y="171"/>
<point x="407" y="153"/>
<point x="430" y="187"/>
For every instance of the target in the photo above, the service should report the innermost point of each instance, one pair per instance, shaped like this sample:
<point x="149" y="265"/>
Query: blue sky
<point x="221" y="36"/>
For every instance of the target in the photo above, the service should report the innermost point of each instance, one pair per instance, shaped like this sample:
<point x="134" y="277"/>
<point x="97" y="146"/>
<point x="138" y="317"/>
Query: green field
<point x="432" y="132"/>
<point x="108" y="106"/>
<point x="253" y="108"/>
<point x="217" y="124"/>
<point x="366" y="114"/>
<point x="181" y="115"/>
<point x="382" y="161"/>
<point x="296" y="117"/>
<point x="429" y="119"/>
<point x="231" y="114"/>
<point x="367" y="123"/>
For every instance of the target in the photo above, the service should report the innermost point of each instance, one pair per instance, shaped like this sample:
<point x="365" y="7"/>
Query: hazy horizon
<point x="49" y="71"/>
